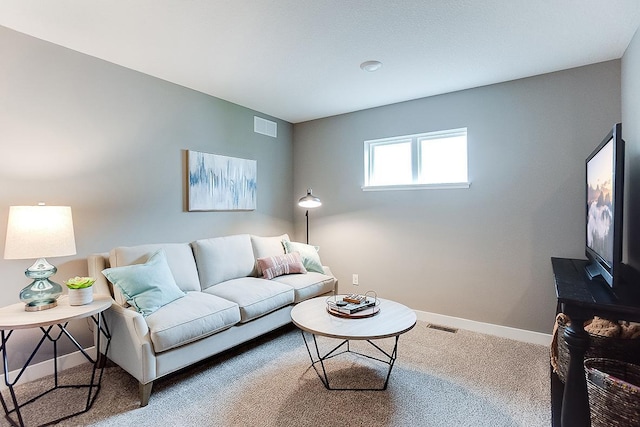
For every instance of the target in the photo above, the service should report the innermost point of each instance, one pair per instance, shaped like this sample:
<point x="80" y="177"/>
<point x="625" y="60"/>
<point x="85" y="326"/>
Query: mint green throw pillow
<point x="309" y="254"/>
<point x="148" y="286"/>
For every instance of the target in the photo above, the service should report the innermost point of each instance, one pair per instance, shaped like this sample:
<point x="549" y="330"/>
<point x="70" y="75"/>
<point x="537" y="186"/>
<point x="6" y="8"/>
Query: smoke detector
<point x="371" y="66"/>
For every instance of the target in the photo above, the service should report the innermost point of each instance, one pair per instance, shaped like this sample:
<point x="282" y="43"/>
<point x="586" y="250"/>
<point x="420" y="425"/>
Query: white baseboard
<point x="42" y="369"/>
<point x="485" y="328"/>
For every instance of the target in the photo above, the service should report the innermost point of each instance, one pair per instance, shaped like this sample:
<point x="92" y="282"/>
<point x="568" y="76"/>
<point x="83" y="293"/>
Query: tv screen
<point x="605" y="175"/>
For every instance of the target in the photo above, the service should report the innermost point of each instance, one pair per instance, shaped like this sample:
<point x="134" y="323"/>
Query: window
<point x="427" y="160"/>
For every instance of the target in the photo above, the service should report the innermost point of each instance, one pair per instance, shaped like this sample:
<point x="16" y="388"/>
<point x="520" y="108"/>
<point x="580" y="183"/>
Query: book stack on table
<point x="350" y="304"/>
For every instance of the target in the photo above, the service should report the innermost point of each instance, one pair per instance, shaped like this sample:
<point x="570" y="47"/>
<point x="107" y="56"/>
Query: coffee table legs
<point x="343" y="347"/>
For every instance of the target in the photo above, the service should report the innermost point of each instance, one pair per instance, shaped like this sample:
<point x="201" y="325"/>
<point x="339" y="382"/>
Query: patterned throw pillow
<point x="280" y="265"/>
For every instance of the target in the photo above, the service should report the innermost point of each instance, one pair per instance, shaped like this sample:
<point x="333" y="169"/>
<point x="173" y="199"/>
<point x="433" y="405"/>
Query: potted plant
<point x="80" y="290"/>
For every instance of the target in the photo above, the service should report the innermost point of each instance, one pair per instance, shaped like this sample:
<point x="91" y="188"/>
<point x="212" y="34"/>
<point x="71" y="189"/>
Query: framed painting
<point x="221" y="183"/>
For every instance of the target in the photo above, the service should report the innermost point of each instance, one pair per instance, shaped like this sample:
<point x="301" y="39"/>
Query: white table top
<point x="392" y="320"/>
<point x="15" y="317"/>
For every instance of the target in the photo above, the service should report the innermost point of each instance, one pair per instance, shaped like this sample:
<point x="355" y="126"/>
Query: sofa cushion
<point x="189" y="319"/>
<point x="308" y="285"/>
<point x="223" y="258"/>
<point x="255" y="297"/>
<point x="309" y="254"/>
<point x="267" y="247"/>
<point x="148" y="286"/>
<point x="179" y="257"/>
<point x="279" y="265"/>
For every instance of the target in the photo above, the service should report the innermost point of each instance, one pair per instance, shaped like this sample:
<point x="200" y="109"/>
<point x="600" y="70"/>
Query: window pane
<point x="391" y="164"/>
<point x="443" y="160"/>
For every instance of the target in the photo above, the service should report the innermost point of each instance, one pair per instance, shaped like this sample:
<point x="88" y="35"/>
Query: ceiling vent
<point x="265" y="127"/>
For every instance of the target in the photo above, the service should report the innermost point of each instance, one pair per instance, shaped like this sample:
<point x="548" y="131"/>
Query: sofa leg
<point x="145" y="393"/>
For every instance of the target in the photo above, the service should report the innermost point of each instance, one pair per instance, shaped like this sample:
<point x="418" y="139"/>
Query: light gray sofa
<point x="225" y="303"/>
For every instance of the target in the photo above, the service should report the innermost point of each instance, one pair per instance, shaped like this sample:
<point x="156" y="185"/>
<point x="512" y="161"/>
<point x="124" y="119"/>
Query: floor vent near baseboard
<point x="442" y="328"/>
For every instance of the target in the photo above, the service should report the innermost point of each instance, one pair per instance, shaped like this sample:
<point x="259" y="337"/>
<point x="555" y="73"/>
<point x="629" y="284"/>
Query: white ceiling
<point x="299" y="59"/>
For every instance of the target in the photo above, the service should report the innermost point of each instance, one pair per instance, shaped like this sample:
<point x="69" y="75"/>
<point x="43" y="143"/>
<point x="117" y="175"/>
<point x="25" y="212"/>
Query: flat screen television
<point x="604" y="194"/>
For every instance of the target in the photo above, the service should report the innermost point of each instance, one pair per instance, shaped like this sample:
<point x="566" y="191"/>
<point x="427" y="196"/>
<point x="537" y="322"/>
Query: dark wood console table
<point x="581" y="299"/>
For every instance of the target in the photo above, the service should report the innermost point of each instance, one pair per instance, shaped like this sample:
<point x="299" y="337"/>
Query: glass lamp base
<point x="42" y="293"/>
<point x="40" y="305"/>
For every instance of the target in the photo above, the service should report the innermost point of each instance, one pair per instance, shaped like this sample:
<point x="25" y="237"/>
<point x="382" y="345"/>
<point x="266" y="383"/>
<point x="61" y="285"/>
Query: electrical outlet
<point x="355" y="280"/>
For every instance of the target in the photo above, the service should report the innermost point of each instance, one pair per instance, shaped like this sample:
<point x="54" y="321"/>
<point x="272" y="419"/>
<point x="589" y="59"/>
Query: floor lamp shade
<point x="40" y="232"/>
<point x="309" y="201"/>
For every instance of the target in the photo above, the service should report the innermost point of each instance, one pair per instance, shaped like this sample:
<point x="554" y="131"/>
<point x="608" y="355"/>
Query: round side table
<point x="53" y="325"/>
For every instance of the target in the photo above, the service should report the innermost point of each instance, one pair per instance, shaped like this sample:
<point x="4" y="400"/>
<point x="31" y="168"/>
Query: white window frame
<point x="415" y="139"/>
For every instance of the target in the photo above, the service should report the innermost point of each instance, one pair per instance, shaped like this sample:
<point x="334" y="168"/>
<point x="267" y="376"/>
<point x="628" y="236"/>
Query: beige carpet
<point x="439" y="379"/>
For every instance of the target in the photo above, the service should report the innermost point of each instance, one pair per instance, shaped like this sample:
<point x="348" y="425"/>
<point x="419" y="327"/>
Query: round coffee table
<point x="392" y="320"/>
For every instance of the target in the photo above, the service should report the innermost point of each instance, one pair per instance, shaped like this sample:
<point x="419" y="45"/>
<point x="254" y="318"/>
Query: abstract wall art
<point x="221" y="183"/>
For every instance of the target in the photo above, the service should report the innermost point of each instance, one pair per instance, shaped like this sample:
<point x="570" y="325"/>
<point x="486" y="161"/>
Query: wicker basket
<point x="626" y="350"/>
<point x="614" y="392"/>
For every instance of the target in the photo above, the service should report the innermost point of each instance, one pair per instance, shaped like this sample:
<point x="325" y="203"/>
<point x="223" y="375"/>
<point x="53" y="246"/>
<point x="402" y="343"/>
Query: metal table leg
<point x="344" y="345"/>
<point x="53" y="336"/>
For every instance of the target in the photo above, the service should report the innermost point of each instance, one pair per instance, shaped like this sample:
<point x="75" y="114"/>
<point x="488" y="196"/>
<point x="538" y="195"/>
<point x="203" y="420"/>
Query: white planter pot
<point x="81" y="296"/>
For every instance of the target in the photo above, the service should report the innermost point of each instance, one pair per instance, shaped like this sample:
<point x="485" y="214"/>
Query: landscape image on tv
<point x="599" y="202"/>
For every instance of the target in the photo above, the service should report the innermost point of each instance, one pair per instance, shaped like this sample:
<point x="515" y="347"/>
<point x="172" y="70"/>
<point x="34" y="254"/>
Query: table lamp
<point x="309" y="201"/>
<point x="39" y="232"/>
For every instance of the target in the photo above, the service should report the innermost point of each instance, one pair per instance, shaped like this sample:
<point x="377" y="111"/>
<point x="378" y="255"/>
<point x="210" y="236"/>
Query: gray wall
<point x="481" y="253"/>
<point x="631" y="135"/>
<point x="110" y="143"/>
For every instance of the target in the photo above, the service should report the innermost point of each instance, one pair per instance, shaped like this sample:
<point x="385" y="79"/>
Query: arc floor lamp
<point x="309" y="201"/>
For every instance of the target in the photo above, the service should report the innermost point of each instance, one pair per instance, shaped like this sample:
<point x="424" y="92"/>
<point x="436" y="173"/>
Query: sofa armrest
<point x="131" y="346"/>
<point x="96" y="263"/>
<point x="136" y="324"/>
<point x="328" y="272"/>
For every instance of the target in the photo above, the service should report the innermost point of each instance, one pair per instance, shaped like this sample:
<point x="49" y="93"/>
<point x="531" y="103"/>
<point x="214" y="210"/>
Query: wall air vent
<point x="265" y="127"/>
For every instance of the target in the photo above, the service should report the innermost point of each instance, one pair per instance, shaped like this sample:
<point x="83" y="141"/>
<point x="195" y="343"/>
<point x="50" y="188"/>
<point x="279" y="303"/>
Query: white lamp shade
<point x="309" y="201"/>
<point x="39" y="232"/>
